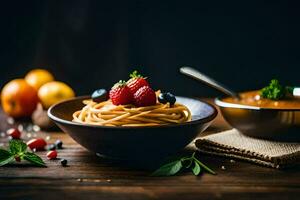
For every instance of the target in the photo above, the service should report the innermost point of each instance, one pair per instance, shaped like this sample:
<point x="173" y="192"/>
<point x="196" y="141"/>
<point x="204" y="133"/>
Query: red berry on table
<point x="37" y="143"/>
<point x="136" y="82"/>
<point x="120" y="94"/>
<point x="17" y="158"/>
<point x="14" y="133"/>
<point x="52" y="155"/>
<point x="145" y="96"/>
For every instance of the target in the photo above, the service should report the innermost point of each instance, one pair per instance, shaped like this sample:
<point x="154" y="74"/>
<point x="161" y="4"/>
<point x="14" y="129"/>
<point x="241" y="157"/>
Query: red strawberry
<point x="120" y="94"/>
<point x="145" y="96"/>
<point x="136" y="82"/>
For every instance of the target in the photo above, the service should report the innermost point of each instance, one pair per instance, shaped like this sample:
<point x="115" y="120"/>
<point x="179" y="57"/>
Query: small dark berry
<point x="167" y="97"/>
<point x="99" y="95"/>
<point x="58" y="144"/>
<point x="51" y="147"/>
<point x="171" y="98"/>
<point x="63" y="162"/>
<point x="162" y="98"/>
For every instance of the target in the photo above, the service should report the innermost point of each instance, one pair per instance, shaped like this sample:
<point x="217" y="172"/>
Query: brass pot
<point x="266" y="123"/>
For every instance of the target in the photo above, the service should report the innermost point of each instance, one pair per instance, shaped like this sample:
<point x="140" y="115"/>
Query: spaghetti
<point x="107" y="114"/>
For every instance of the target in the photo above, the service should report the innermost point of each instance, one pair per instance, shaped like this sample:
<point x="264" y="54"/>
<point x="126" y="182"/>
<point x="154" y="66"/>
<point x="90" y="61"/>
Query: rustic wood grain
<point x="90" y="177"/>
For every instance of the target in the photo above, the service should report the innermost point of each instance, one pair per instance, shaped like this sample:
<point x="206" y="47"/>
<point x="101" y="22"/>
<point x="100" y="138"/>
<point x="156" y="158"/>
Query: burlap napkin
<point x="233" y="144"/>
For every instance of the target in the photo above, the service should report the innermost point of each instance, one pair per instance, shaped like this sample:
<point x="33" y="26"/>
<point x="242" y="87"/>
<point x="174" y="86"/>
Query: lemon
<point x="38" y="77"/>
<point x="53" y="92"/>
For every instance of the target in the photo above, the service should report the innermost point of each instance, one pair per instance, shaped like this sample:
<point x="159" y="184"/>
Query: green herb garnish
<point x="273" y="91"/>
<point x="18" y="151"/>
<point x="187" y="162"/>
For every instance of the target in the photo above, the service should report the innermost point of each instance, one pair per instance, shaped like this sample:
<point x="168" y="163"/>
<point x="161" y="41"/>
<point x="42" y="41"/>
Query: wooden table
<point x="89" y="177"/>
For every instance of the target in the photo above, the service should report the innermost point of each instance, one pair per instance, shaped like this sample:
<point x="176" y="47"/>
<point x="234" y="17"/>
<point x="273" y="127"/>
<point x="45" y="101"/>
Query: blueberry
<point x="52" y="147"/>
<point x="63" y="162"/>
<point x="171" y="98"/>
<point x="58" y="144"/>
<point x="99" y="95"/>
<point x="166" y="97"/>
<point x="162" y="98"/>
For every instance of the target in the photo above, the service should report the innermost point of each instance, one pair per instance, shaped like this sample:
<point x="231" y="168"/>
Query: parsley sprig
<point x="186" y="162"/>
<point x="18" y="151"/>
<point x="274" y="90"/>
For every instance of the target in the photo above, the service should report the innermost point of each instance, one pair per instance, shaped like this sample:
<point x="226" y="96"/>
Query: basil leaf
<point x="168" y="169"/>
<point x="196" y="170"/>
<point x="33" y="158"/>
<point x="17" y="147"/>
<point x="5" y="157"/>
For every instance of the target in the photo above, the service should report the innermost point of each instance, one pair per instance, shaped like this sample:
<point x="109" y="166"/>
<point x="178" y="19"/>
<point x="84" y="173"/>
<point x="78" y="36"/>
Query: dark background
<point x="92" y="44"/>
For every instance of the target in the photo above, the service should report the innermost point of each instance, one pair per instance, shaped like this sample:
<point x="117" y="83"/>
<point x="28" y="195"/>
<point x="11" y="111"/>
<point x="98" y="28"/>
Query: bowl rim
<point x="198" y="121"/>
<point x="218" y="101"/>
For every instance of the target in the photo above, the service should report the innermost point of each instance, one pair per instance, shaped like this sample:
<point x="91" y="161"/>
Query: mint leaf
<point x="17" y="147"/>
<point x="168" y="169"/>
<point x="34" y="159"/>
<point x="5" y="157"/>
<point x="196" y="170"/>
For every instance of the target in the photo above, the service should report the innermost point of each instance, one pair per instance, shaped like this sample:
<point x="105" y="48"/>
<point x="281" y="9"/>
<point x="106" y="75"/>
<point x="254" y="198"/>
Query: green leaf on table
<point x="205" y="167"/>
<point x="17" y="147"/>
<point x="196" y="169"/>
<point x="34" y="159"/>
<point x="187" y="162"/>
<point x="5" y="157"/>
<point x="168" y="169"/>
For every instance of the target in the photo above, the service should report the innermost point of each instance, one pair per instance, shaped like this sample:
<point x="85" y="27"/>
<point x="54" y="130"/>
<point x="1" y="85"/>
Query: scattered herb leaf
<point x="186" y="162"/>
<point x="18" y="149"/>
<point x="5" y="157"/>
<point x="196" y="169"/>
<point x="33" y="158"/>
<point x="169" y="169"/>
<point x="205" y="167"/>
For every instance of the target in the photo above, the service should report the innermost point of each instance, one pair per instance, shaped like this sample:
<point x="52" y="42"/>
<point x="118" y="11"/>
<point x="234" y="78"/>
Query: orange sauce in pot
<point x="253" y="98"/>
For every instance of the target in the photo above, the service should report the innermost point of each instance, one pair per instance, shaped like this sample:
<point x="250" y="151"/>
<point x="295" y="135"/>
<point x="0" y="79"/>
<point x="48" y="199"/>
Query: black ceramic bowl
<point x="133" y="143"/>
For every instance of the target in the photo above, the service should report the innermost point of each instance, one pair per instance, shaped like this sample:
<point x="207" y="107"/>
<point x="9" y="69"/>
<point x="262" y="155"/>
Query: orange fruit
<point x="38" y="77"/>
<point x="53" y="92"/>
<point x="18" y="98"/>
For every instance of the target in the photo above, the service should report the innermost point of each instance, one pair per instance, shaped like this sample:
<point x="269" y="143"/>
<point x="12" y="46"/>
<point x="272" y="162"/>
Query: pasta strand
<point x="107" y="114"/>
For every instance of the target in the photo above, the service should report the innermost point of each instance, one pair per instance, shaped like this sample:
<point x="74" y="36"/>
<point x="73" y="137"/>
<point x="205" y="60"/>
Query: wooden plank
<point x="89" y="177"/>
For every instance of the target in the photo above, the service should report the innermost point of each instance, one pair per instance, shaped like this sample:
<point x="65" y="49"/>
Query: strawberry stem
<point x="135" y="74"/>
<point x="121" y="83"/>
